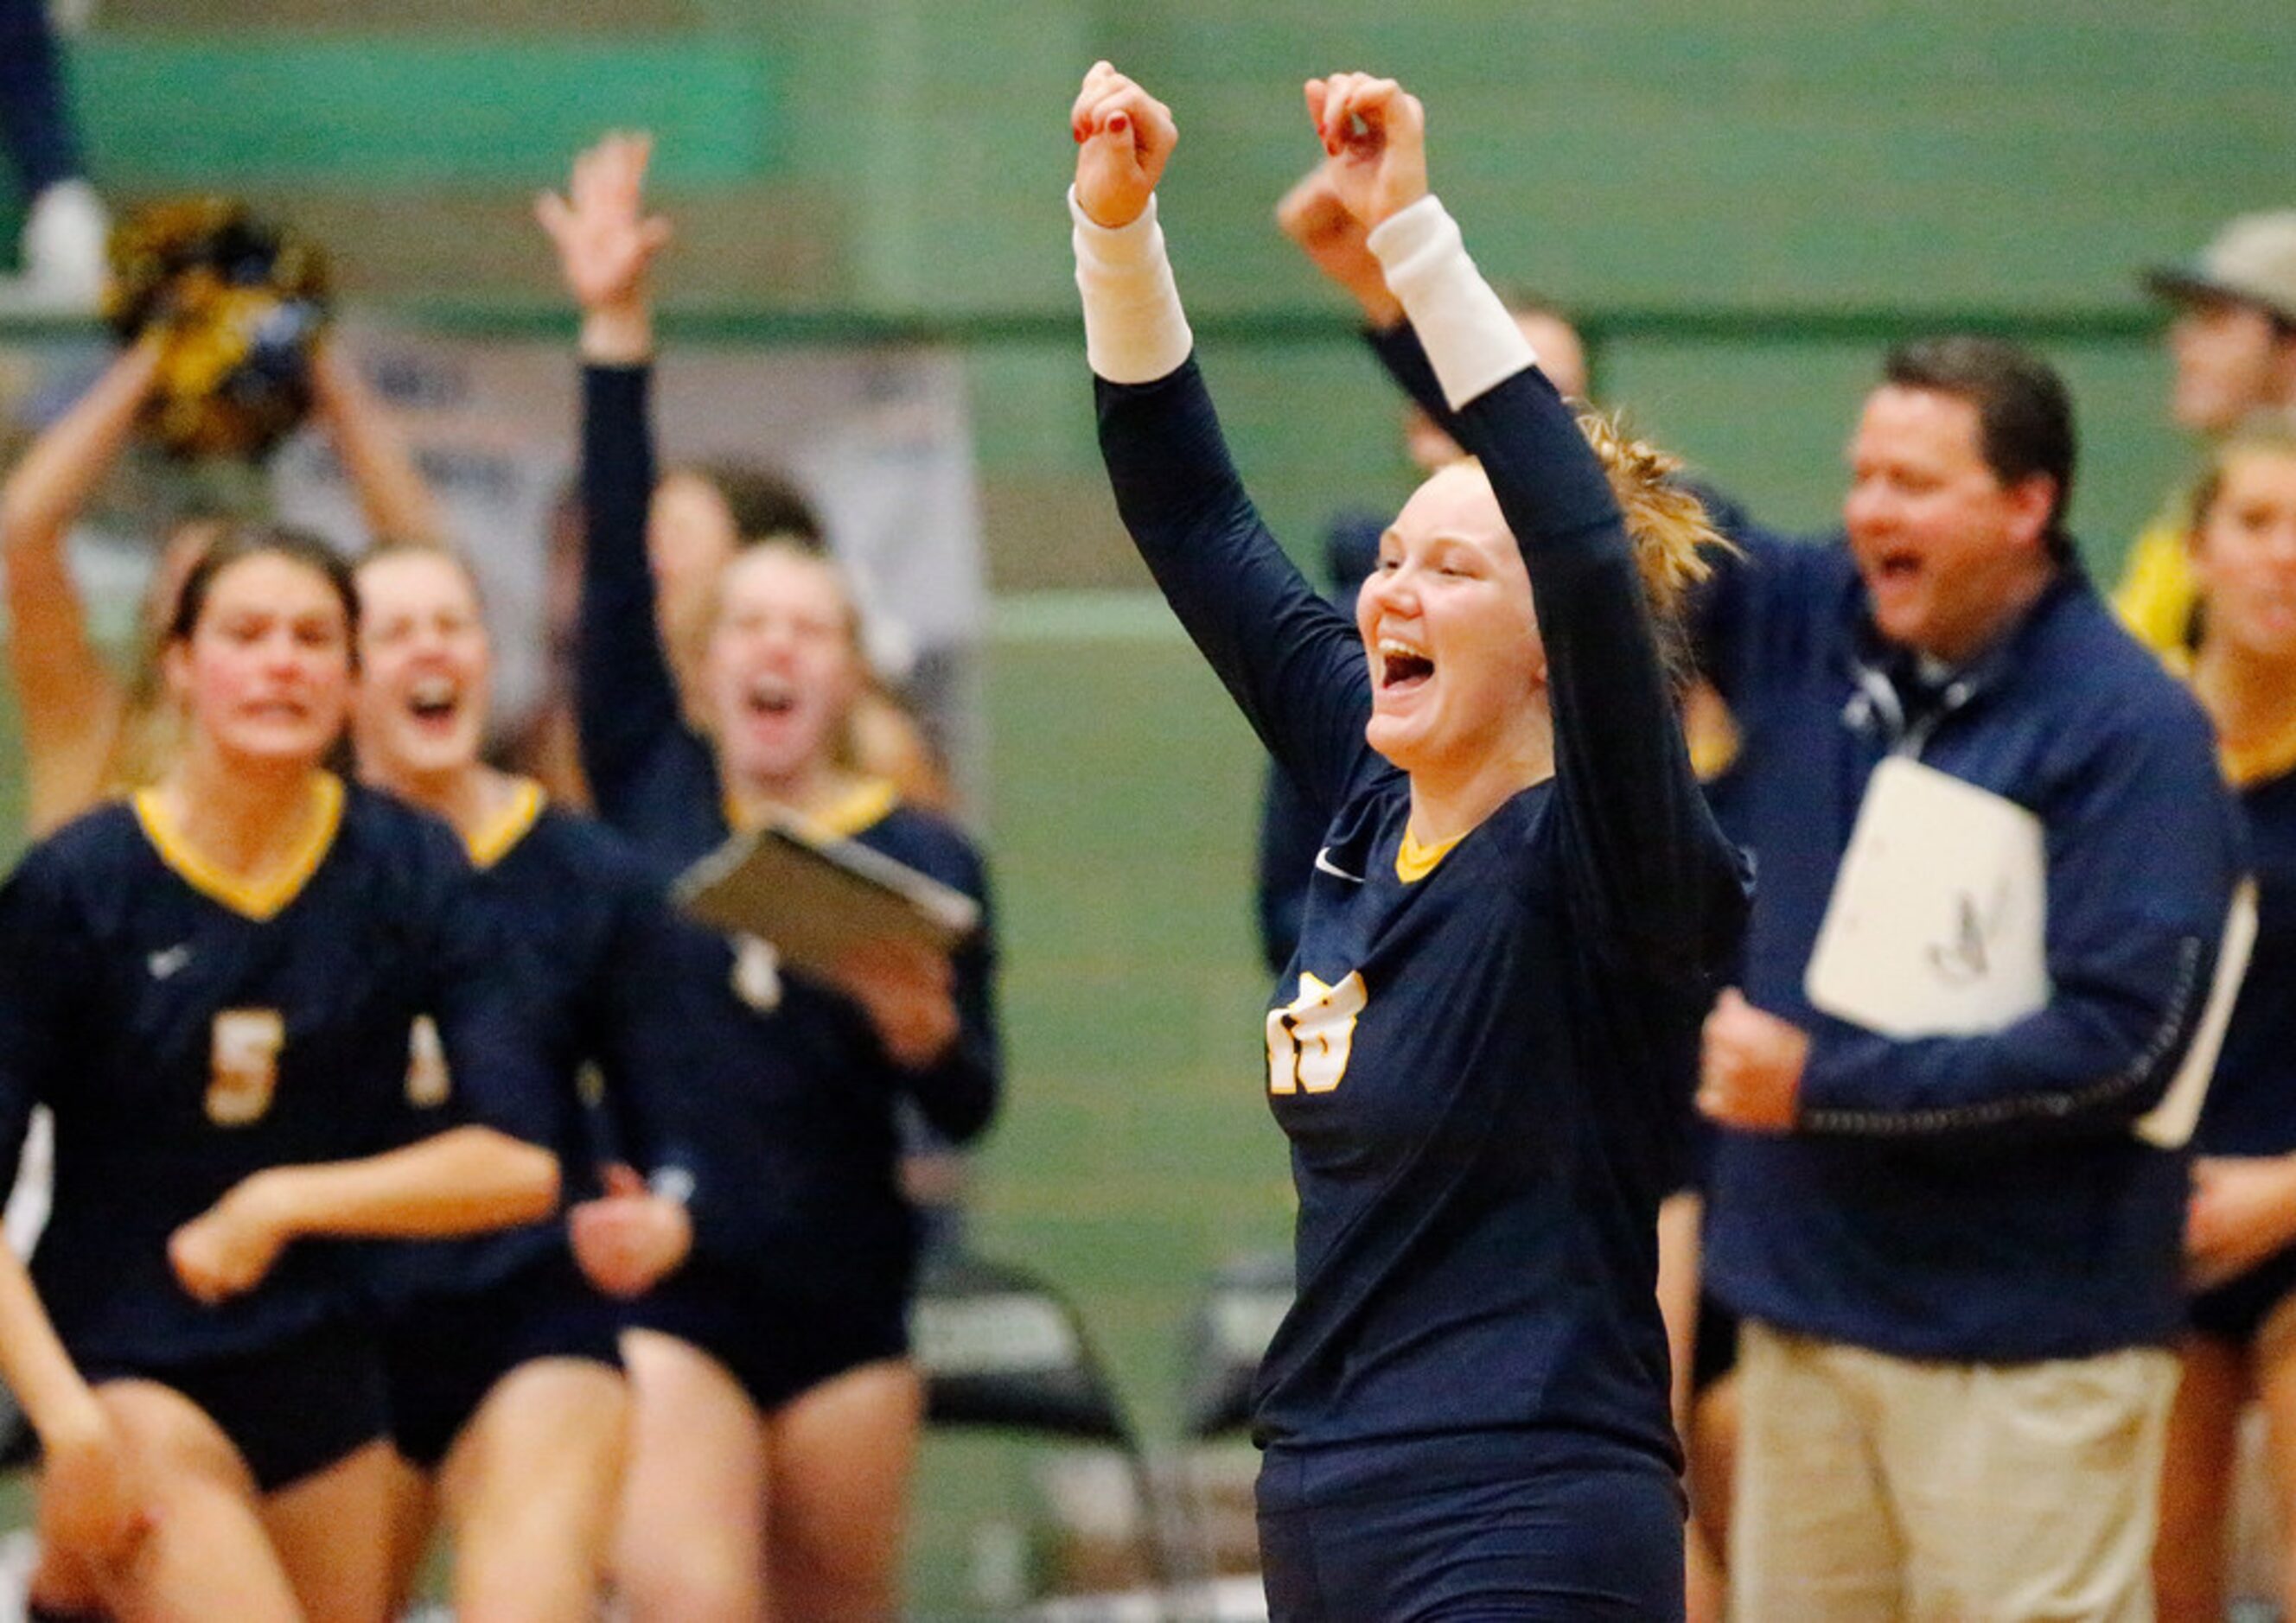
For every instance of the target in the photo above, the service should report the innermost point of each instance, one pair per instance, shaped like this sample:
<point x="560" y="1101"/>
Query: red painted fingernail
<point x="1117" y="123"/>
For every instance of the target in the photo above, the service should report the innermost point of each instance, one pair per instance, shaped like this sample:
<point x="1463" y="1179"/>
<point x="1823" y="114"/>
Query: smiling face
<point x="2245" y="553"/>
<point x="1458" y="670"/>
<point x="264" y="673"/>
<point x="783" y="666"/>
<point x="425" y="666"/>
<point x="1948" y="553"/>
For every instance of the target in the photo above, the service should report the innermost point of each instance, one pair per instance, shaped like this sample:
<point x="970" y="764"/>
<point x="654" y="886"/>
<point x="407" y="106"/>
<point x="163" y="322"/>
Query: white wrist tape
<point x="1470" y="339"/>
<point x="1134" y="330"/>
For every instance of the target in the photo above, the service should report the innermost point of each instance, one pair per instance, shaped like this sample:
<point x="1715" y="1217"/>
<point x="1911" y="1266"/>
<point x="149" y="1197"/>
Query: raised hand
<point x="606" y="241"/>
<point x="1375" y="134"/>
<point x="1312" y="215"/>
<point x="1123" y="137"/>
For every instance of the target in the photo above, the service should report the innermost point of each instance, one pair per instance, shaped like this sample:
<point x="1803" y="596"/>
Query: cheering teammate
<point x="2241" y="1230"/>
<point x="1483" y="1048"/>
<point x="776" y="1409"/>
<point x="505" y="1382"/>
<point x="86" y="732"/>
<point x="211" y="986"/>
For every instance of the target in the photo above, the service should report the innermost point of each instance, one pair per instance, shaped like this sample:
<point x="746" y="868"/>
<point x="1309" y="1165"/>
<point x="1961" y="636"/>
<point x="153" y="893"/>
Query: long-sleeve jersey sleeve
<point x="1645" y="862"/>
<point x="1293" y="662"/>
<point x="625" y="696"/>
<point x="958" y="1093"/>
<point x="2133" y="928"/>
<point x="1645" y="855"/>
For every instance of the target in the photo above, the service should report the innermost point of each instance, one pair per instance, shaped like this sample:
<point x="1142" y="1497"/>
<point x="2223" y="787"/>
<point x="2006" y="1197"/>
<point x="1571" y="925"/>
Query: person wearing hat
<point x="2234" y="343"/>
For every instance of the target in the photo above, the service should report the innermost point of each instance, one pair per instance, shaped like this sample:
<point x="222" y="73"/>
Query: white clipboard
<point x="1937" y="923"/>
<point x="1938" y="927"/>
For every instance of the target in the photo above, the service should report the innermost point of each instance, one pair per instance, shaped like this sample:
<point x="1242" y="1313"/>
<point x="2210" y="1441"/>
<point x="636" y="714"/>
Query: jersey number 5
<point x="243" y="1065"/>
<point x="1309" y="1038"/>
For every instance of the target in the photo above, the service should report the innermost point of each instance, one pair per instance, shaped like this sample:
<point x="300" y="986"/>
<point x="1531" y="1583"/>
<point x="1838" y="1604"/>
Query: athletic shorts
<point x="777" y="1343"/>
<point x="2235" y="1310"/>
<point x="292" y="1409"/>
<point x="1714" y="1350"/>
<point x="1471" y="1528"/>
<point x="442" y="1355"/>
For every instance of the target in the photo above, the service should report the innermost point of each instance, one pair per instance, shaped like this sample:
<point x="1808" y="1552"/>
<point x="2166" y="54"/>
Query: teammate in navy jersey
<point x="1483" y="1048"/>
<point x="775" y="1407"/>
<point x="211" y="986"/>
<point x="2240" y="1229"/>
<point x="505" y="1385"/>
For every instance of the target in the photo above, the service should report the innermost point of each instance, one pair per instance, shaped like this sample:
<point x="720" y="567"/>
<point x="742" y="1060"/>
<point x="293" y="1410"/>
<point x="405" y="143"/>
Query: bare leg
<point x="208" y="1556"/>
<point x="842" y="1456"/>
<point x="2188" y="1557"/>
<point x="690" y="1546"/>
<point x="531" y="1487"/>
<point x="1712" y="1449"/>
<point x="328" y="1529"/>
<point x="2275" y="1372"/>
<point x="411" y="1514"/>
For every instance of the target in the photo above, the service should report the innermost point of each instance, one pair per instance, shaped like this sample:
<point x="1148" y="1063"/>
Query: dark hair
<point x="2024" y="413"/>
<point x="760" y="502"/>
<point x="243" y="541"/>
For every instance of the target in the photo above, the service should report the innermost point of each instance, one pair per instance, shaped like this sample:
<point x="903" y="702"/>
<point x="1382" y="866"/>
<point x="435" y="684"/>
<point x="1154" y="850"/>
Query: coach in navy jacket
<point x="1958" y="1263"/>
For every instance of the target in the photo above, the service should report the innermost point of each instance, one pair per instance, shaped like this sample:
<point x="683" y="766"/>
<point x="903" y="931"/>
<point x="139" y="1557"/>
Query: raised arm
<point x="398" y="501"/>
<point x="70" y="702"/>
<point x="626" y="694"/>
<point x="1292" y="663"/>
<point x="1653" y="873"/>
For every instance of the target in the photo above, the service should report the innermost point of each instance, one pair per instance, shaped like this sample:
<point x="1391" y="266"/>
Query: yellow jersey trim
<point x="1414" y="861"/>
<point x="867" y="803"/>
<point x="258" y="900"/>
<point x="492" y="841"/>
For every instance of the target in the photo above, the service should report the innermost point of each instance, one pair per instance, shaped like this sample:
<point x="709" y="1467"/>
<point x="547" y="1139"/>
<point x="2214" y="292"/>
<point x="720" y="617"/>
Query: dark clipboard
<point x="819" y="899"/>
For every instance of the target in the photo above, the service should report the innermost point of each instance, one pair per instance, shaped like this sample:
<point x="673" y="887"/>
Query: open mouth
<point x="770" y="696"/>
<point x="435" y="701"/>
<point x="1402" y="667"/>
<point x="1897" y="568"/>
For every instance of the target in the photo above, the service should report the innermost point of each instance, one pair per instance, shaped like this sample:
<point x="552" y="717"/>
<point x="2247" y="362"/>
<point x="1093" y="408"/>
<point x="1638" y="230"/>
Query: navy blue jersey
<point x="789" y="1121"/>
<point x="584" y="936"/>
<point x="1482" y="1055"/>
<point x="2252" y="1101"/>
<point x="790" y="1124"/>
<point x="188" y="1031"/>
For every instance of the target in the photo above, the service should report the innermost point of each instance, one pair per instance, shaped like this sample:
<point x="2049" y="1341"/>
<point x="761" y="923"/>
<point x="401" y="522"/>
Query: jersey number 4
<point x="1309" y="1038"/>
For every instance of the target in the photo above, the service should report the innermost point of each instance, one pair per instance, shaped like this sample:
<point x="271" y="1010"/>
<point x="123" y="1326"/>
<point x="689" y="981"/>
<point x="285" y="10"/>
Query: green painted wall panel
<point x="385" y="112"/>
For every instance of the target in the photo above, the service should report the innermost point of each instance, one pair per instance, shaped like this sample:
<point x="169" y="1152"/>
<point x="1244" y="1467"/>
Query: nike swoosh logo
<point x="1323" y="866"/>
<point x="163" y="964"/>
